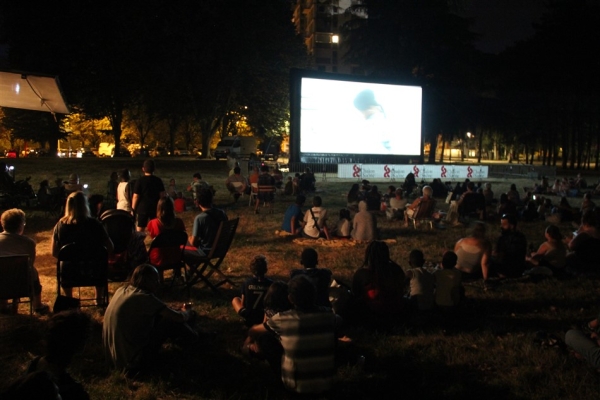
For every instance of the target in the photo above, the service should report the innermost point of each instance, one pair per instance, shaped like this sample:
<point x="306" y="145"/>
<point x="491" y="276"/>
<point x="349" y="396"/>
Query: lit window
<point x="335" y="39"/>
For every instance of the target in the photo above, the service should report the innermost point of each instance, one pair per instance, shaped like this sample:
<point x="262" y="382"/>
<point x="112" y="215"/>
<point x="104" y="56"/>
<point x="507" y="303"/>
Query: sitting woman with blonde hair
<point x="77" y="226"/>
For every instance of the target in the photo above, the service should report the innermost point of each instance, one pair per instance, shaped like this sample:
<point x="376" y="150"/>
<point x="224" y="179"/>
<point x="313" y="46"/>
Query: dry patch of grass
<point x="487" y="351"/>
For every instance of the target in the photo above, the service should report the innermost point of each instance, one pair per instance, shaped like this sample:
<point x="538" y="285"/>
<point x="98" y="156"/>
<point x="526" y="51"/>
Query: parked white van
<point x="243" y="147"/>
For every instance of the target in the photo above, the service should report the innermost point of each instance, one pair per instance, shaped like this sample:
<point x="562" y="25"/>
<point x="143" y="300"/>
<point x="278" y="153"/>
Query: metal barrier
<point x="535" y="172"/>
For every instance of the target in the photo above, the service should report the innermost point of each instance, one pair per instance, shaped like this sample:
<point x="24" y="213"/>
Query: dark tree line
<point x="539" y="96"/>
<point x="187" y="63"/>
<point x="197" y="65"/>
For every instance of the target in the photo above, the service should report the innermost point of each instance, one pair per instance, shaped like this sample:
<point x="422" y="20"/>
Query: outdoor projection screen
<point x="334" y="117"/>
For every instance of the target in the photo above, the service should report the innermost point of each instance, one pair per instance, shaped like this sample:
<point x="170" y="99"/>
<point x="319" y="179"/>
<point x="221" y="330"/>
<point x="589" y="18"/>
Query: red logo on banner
<point x="416" y="171"/>
<point x="387" y="170"/>
<point x="444" y="170"/>
<point x="356" y="173"/>
<point x="469" y="172"/>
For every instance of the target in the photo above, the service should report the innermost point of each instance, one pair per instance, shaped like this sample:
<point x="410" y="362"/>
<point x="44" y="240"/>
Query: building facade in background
<point x="320" y="23"/>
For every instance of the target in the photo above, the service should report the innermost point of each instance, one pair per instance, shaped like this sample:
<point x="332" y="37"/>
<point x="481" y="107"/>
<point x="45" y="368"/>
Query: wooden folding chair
<point x="16" y="280"/>
<point x="253" y="193"/>
<point x="424" y="213"/>
<point x="166" y="252"/>
<point x="204" y="267"/>
<point x="88" y="266"/>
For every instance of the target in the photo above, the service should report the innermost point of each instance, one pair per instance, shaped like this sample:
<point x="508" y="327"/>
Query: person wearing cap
<point x="73" y="185"/>
<point x="293" y="219"/>
<point x="321" y="277"/>
<point x="508" y="257"/>
<point x="196" y="184"/>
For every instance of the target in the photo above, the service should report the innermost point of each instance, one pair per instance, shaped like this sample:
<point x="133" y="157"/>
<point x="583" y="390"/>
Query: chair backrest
<point x="87" y="264"/>
<point x="120" y="226"/>
<point x="254" y="187"/>
<point x="15" y="277"/>
<point x="223" y="240"/>
<point x="426" y="209"/>
<point x="167" y="248"/>
<point x="237" y="185"/>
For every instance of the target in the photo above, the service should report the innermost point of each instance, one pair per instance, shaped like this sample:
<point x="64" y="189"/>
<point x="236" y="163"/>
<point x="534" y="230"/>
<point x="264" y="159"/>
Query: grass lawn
<point x="489" y="351"/>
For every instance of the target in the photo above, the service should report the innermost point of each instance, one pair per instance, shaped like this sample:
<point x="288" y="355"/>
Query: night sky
<point x="503" y="22"/>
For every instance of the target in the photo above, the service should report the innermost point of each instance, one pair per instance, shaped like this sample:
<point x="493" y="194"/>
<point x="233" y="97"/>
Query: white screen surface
<point x="341" y="117"/>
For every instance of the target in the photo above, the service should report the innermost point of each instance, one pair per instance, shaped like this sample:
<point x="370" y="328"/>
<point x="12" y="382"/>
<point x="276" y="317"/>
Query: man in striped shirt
<point x="308" y="336"/>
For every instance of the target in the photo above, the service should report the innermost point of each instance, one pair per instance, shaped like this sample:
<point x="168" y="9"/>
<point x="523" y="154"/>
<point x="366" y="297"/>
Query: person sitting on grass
<point x="343" y="228"/>
<point x="508" y="257"/>
<point x="293" y="217"/>
<point x="315" y="221"/>
<point x="397" y="206"/>
<point x="308" y="339"/>
<point x="13" y="242"/>
<point x="586" y="343"/>
<point x="582" y="258"/>
<point x="321" y="277"/>
<point x="421" y="282"/>
<point x="447" y="281"/>
<point x="267" y="346"/>
<point x="65" y="336"/>
<point x="250" y="305"/>
<point x="364" y="224"/>
<point x="137" y="323"/>
<point x="474" y="252"/>
<point x="378" y="287"/>
<point x="551" y="254"/>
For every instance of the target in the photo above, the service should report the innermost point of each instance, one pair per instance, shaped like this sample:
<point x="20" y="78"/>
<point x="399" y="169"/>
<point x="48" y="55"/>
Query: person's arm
<point x="55" y="247"/>
<point x="176" y="316"/>
<point x="485" y="263"/>
<point x="134" y="201"/>
<point x="293" y="225"/>
<point x="257" y="330"/>
<point x="326" y="231"/>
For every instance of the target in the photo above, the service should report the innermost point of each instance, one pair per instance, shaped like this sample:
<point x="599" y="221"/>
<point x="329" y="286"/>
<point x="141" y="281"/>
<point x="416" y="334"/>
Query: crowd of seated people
<point x="378" y="287"/>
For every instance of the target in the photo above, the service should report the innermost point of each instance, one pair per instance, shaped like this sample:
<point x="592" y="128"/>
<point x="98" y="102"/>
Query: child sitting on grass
<point x="344" y="225"/>
<point x="421" y="282"/>
<point x="447" y="282"/>
<point x="250" y="305"/>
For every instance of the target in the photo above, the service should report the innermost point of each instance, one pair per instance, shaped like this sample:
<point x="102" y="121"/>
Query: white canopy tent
<point x="31" y="92"/>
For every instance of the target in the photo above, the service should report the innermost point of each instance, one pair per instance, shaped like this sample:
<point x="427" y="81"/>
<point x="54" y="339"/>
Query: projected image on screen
<point x="341" y="117"/>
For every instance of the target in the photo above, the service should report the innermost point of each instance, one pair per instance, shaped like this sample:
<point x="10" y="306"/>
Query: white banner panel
<point x="398" y="172"/>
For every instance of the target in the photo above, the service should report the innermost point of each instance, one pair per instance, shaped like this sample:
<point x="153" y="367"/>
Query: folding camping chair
<point x="424" y="213"/>
<point x="120" y="226"/>
<point x="166" y="252"/>
<point x="16" y="280"/>
<point x="87" y="266"/>
<point x="204" y="267"/>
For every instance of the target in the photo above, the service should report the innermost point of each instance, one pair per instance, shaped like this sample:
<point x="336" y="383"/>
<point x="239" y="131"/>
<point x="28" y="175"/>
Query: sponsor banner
<point x="395" y="172"/>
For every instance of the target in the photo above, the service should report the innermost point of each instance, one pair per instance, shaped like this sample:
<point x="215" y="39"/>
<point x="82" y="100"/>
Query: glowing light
<point x="335" y="39"/>
<point x="17" y="88"/>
